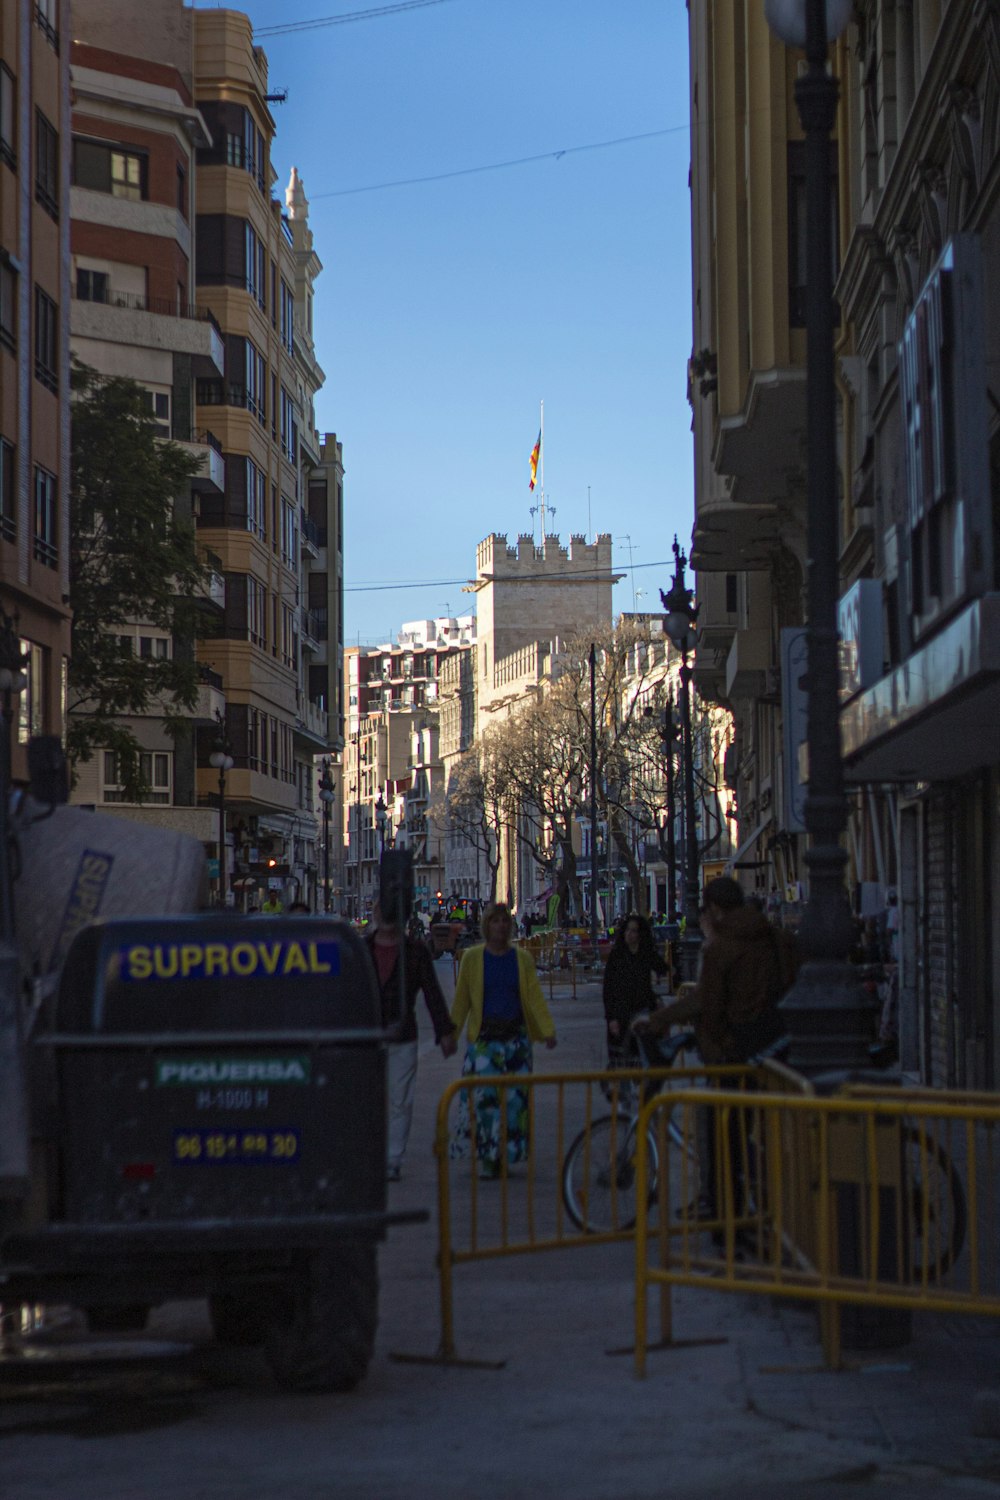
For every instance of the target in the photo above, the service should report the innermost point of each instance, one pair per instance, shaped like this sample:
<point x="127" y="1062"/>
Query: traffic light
<point x="439" y="895"/>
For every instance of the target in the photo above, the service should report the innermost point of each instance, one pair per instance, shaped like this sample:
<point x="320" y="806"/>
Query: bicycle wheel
<point x="936" y="1200"/>
<point x="599" y="1176"/>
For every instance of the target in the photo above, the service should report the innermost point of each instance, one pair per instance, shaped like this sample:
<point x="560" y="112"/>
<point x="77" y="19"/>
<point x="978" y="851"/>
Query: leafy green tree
<point x="133" y="561"/>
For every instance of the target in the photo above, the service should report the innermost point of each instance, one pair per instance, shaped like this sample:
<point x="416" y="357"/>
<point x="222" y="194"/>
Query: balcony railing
<point x="165" y="307"/>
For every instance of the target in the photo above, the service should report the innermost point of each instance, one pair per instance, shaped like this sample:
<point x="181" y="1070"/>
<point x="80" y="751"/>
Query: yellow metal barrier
<point x="526" y="1209"/>
<point x="885" y="1199"/>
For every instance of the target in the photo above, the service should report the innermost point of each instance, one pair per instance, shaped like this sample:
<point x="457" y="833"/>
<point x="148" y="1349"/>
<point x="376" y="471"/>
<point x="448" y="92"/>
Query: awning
<point x="734" y="863"/>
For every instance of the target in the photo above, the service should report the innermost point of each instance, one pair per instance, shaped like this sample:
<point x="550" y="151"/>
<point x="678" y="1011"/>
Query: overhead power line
<point x="290" y="27"/>
<point x="440" y="583"/>
<point x="497" y="166"/>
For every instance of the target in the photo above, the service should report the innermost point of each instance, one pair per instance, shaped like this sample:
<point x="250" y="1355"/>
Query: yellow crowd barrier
<point x="527" y="1208"/>
<point x="882" y="1198"/>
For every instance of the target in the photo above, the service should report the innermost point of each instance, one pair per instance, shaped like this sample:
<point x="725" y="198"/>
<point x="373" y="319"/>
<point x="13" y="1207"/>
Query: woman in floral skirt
<point x="499" y="1000"/>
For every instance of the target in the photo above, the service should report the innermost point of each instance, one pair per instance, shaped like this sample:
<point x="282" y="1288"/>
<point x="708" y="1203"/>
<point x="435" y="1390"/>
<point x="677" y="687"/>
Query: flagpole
<point x="541" y="468"/>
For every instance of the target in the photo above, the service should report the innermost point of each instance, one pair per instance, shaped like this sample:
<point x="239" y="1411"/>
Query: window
<point x="92" y="286"/>
<point x="8" y="115"/>
<point x="46" y="340"/>
<point x="256" y="382"/>
<point x="8" y="305"/>
<point x="155" y="771"/>
<point x="256" y="266"/>
<point x="46" y="550"/>
<point x="288" y="530"/>
<point x="8" y="504"/>
<point x="289" y="427"/>
<point x="256" y="611"/>
<point x="31" y="702"/>
<point x="159" y="403"/>
<point x="256" y="499"/>
<point x="109" y="169"/>
<point x="46" y="165"/>
<point x="287" y="316"/>
<point x="287" y="636"/>
<point x="182" y="192"/>
<point x="45" y="17"/>
<point x="154" y="647"/>
<point x="253" y="149"/>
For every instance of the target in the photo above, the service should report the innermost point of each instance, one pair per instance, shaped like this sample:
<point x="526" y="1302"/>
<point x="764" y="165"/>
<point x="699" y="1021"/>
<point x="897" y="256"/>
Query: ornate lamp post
<point x="669" y="732"/>
<point x="326" y="797"/>
<point x="681" y="615"/>
<point x="827" y="1014"/>
<point x="222" y="760"/>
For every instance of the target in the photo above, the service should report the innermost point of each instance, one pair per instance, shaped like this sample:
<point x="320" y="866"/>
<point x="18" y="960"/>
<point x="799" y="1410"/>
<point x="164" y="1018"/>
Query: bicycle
<point x="598" y="1176"/>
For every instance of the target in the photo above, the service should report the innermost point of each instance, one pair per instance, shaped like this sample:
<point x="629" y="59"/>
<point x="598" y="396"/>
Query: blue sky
<point x="447" y="310"/>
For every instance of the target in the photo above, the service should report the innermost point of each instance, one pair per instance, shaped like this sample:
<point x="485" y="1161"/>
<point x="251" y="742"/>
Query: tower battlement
<point x="496" y="559"/>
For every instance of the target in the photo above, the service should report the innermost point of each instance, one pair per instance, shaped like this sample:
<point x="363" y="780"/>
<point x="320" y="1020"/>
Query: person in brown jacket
<point x="746" y="967"/>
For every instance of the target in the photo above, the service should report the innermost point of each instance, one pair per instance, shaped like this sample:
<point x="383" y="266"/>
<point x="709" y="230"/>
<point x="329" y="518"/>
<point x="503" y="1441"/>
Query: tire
<point x="321" y="1335"/>
<point x="599" y="1175"/>
<point x="932" y="1180"/>
<point x="239" y="1320"/>
<point x="112" y="1317"/>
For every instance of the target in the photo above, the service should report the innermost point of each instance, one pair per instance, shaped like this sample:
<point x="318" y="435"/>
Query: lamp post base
<point x="830" y="1018"/>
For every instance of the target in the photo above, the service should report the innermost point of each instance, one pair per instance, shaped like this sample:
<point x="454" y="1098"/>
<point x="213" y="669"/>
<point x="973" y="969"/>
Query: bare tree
<point x="477" y="804"/>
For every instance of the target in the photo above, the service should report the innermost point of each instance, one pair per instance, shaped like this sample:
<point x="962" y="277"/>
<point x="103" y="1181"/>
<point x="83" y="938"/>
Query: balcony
<point x="152" y="323"/>
<point x="312" y="723"/>
<point x="732" y="536"/>
<point x="308" y="534"/>
<point x="747" y="663"/>
<point x="205" y="446"/>
<point x="762" y="447"/>
<point x="211" y="697"/>
<point x="212" y="595"/>
<point x="311" y="629"/>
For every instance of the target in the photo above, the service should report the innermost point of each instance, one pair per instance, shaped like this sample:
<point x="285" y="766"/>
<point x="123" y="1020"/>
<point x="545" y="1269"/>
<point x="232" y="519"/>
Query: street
<point x="741" y="1408"/>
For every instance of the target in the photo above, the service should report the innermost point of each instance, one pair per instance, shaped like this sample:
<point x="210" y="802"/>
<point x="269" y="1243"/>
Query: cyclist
<point x="628" y="984"/>
<point x="747" y="965"/>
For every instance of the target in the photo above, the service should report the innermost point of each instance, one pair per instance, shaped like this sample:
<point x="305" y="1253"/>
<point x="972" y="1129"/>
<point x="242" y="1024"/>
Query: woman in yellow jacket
<point x="499" y="1001"/>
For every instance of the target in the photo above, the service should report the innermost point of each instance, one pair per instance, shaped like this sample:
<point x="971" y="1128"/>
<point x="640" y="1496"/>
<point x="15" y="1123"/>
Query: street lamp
<point x="669" y="732"/>
<point x="681" y="615"/>
<point x="380" y="817"/>
<point x="326" y="797"/>
<point x="826" y="1010"/>
<point x="221" y="759"/>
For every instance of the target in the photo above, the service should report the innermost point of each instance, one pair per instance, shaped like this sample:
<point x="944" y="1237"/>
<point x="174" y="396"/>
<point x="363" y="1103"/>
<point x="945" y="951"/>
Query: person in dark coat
<point x="384" y="945"/>
<point x="628" y="982"/>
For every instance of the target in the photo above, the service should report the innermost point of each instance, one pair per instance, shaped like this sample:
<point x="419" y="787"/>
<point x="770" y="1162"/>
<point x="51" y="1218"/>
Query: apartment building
<point x="916" y="152"/>
<point x="135" y="134"/>
<point x="390" y="781"/>
<point x="255" y="271"/>
<point x="34" y="355"/>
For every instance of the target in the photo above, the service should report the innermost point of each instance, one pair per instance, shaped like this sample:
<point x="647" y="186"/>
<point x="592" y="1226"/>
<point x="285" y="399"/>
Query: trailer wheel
<point x="239" y="1321"/>
<point x="322" y="1335"/>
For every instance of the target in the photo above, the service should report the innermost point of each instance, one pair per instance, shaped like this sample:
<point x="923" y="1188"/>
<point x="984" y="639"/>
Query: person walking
<point x="499" y="1002"/>
<point x="628" y="984"/>
<point x="385" y="943"/>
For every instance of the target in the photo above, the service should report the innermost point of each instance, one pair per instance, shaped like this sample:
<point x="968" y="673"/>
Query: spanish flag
<point x="533" y="460"/>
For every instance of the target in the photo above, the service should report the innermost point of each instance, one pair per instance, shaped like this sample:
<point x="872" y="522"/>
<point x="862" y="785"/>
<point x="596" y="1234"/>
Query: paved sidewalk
<point x="903" y="1413"/>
